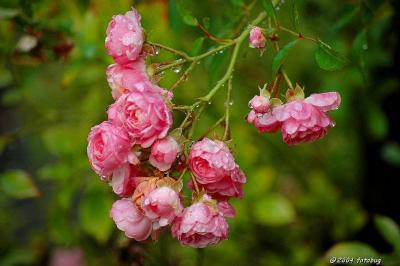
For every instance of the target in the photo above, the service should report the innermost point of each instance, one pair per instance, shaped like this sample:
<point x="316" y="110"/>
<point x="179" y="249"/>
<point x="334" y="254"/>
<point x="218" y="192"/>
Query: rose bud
<point x="256" y="38"/>
<point x="164" y="152"/>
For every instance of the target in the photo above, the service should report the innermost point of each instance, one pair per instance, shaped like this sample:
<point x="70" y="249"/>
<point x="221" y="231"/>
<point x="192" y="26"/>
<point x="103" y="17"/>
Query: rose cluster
<point x="300" y="120"/>
<point x="135" y="152"/>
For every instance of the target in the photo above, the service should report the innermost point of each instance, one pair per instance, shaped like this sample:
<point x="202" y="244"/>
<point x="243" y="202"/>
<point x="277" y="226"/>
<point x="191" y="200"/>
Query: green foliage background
<point x="301" y="205"/>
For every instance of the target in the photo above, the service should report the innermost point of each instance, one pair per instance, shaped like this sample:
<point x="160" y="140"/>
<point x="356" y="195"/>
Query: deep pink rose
<point x="124" y="179"/>
<point x="305" y="120"/>
<point x="264" y="122"/>
<point x="132" y="77"/>
<point x="161" y="206"/>
<point x="125" y="37"/>
<point x="164" y="152"/>
<point x="145" y="116"/>
<point x="200" y="225"/>
<point x="256" y="38"/>
<point x="130" y="220"/>
<point x="108" y="148"/>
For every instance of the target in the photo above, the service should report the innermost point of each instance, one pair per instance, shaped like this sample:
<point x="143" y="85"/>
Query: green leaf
<point x="389" y="230"/>
<point x="329" y="59"/>
<point x="198" y="43"/>
<point x="7" y="13"/>
<point x="187" y="17"/>
<point x="281" y="56"/>
<point x="295" y="16"/>
<point x="391" y="153"/>
<point x="18" y="184"/>
<point x="274" y="210"/>
<point x="94" y="214"/>
<point x="351" y="250"/>
<point x="269" y="8"/>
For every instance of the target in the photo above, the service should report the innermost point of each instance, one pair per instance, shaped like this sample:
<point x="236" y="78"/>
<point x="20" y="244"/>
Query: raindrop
<point x="333" y="123"/>
<point x="198" y="62"/>
<point x="156" y="51"/>
<point x="365" y="46"/>
<point x="231" y="103"/>
<point x="221" y="52"/>
<point x="209" y="102"/>
<point x="177" y="70"/>
<point x="197" y="106"/>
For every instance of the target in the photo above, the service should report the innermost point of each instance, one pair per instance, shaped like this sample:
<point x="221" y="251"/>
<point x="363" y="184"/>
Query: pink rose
<point x="164" y="152"/>
<point x="124" y="180"/>
<point x="129" y="77"/>
<point x="161" y="206"/>
<point x="108" y="148"/>
<point x="325" y="102"/>
<point x="215" y="169"/>
<point x="260" y="104"/>
<point x="256" y="38"/>
<point x="125" y="37"/>
<point x="305" y="120"/>
<point x="145" y="116"/>
<point x="130" y="220"/>
<point x="226" y="209"/>
<point x="264" y="122"/>
<point x="200" y="225"/>
<point x="132" y="77"/>
<point x="210" y="161"/>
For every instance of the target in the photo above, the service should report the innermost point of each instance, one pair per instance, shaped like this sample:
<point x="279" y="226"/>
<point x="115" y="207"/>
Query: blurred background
<point x="302" y="205"/>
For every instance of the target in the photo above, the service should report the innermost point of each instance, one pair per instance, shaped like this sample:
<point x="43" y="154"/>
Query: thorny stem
<point x="297" y="34"/>
<point x="227" y="105"/>
<point x="211" y="36"/>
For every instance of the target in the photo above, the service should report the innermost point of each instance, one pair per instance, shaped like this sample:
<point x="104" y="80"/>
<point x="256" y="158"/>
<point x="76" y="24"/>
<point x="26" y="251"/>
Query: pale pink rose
<point x="210" y="161"/>
<point x="325" y="102"/>
<point x="164" y="152"/>
<point x="130" y="220"/>
<point x="161" y="206"/>
<point x="108" y="148"/>
<point x="264" y="122"/>
<point x="145" y="116"/>
<point x="260" y="104"/>
<point x="132" y="77"/>
<point x="226" y="209"/>
<point x="125" y="179"/>
<point x="256" y="38"/>
<point x="200" y="225"/>
<point x="125" y="37"/>
<point x="305" y="120"/>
